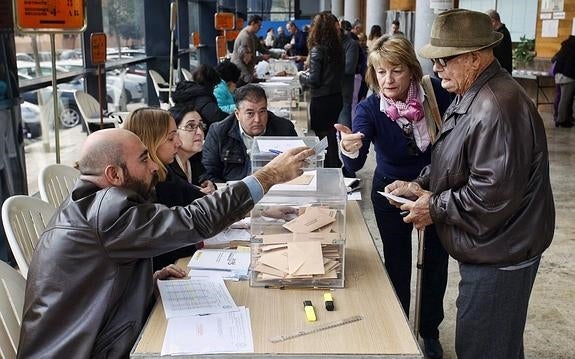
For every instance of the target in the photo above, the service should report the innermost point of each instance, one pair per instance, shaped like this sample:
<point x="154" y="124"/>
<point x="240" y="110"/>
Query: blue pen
<point x="277" y="152"/>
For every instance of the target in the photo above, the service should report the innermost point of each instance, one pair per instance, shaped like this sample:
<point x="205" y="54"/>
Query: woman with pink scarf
<point x="397" y="120"/>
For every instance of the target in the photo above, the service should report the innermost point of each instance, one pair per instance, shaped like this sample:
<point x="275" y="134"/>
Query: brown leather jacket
<point x="90" y="281"/>
<point x="489" y="173"/>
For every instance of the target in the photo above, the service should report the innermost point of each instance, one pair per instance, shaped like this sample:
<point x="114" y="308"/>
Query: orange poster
<point x="98" y="48"/>
<point x="224" y="21"/>
<point x="50" y="15"/>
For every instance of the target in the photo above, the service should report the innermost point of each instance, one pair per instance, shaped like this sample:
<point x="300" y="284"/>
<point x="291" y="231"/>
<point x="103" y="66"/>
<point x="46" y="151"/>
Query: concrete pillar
<point x="337" y="8"/>
<point x="351" y="10"/>
<point x="424" y="17"/>
<point x="375" y="14"/>
<point x="324" y="5"/>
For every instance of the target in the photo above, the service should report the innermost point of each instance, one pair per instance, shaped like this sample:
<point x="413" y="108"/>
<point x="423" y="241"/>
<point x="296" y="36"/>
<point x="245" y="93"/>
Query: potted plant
<point x="524" y="52"/>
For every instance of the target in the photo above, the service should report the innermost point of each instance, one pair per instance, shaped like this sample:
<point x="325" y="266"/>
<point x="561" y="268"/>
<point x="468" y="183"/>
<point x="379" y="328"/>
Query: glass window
<point x="124" y="26"/>
<point x="272" y="10"/>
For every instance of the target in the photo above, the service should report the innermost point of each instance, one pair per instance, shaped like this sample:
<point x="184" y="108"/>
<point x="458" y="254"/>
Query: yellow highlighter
<point x="309" y="311"/>
<point x="328" y="299"/>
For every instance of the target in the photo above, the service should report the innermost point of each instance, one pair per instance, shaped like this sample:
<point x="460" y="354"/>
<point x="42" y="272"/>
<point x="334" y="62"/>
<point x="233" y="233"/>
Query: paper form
<point x="199" y="295"/>
<point x="229" y="332"/>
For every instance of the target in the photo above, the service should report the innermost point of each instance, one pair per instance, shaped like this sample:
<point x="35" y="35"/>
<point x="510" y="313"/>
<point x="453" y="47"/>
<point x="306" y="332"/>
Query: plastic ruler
<point x="315" y="329"/>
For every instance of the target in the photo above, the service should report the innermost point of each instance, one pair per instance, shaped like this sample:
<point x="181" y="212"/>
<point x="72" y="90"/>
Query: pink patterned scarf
<point x="411" y="109"/>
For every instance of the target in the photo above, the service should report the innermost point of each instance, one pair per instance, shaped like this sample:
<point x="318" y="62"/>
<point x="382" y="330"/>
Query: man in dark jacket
<point x="489" y="192"/>
<point x="282" y="39"/>
<point x="503" y="52"/>
<point x="226" y="150"/>
<point x="90" y="280"/>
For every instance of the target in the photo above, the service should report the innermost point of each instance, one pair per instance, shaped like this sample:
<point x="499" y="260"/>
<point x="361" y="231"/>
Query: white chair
<point x="186" y="74"/>
<point x="55" y="183"/>
<point x="161" y="86"/>
<point x="12" y="289"/>
<point x="90" y="110"/>
<point x="24" y="219"/>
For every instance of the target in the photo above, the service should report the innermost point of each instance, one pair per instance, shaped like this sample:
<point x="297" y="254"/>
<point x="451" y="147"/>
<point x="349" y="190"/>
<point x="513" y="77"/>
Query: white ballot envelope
<point x="392" y="197"/>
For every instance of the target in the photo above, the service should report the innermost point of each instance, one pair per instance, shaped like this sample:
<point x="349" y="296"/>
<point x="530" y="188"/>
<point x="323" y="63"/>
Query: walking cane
<point x="420" y="248"/>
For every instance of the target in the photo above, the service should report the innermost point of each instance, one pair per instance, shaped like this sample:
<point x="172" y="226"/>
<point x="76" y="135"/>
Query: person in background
<point x="351" y="50"/>
<point x="157" y="130"/>
<point x="360" y="87"/>
<point x="281" y="39"/>
<point x="247" y="73"/>
<point x="356" y="27"/>
<point x="248" y="37"/>
<point x="398" y="120"/>
<point x="565" y="77"/>
<point x="226" y="154"/>
<point x="188" y="163"/>
<point x="230" y="75"/>
<point x="503" y="52"/>
<point x="297" y="46"/>
<point x="91" y="282"/>
<point x="200" y="93"/>
<point x="270" y="38"/>
<point x="374" y="33"/>
<point x="487" y="189"/>
<point x="394" y="30"/>
<point x="324" y="77"/>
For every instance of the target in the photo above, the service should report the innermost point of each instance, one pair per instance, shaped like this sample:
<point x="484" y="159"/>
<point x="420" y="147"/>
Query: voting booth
<point x="298" y="232"/>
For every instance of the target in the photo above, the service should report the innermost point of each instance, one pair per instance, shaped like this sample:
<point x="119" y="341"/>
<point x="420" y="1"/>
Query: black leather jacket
<point x="90" y="280"/>
<point x="325" y="74"/>
<point x="489" y="173"/>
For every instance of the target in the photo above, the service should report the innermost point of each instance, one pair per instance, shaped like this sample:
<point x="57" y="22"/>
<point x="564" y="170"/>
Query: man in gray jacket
<point x="489" y="192"/>
<point x="90" y="280"/>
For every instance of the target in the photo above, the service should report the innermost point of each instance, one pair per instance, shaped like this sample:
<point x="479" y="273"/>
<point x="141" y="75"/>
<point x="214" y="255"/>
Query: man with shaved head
<point x="90" y="280"/>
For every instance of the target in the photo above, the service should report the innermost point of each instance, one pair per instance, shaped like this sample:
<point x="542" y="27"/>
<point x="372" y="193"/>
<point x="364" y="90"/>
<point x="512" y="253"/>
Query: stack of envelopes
<point x="307" y="252"/>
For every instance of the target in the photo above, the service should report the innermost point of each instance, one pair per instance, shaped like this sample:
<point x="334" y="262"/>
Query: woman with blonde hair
<point x="398" y="120"/>
<point x="158" y="131"/>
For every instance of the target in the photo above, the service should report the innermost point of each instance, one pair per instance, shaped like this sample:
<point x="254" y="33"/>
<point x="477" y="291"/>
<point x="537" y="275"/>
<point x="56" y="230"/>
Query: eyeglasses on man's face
<point x="442" y="61"/>
<point x="193" y="127"/>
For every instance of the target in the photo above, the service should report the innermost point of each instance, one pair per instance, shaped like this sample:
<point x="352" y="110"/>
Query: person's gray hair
<point x="494" y="15"/>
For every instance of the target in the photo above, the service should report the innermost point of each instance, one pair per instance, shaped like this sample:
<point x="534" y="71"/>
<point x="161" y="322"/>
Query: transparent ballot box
<point x="277" y="91"/>
<point x="298" y="233"/>
<point x="265" y="148"/>
<point x="283" y="66"/>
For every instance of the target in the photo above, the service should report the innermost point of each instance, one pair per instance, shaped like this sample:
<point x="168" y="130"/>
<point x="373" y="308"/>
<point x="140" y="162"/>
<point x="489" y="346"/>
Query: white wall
<point x="519" y="16"/>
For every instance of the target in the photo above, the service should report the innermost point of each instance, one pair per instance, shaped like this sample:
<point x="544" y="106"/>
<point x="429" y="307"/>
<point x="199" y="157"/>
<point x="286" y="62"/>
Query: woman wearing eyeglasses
<point x="398" y="120"/>
<point x="160" y="134"/>
<point x="188" y="164"/>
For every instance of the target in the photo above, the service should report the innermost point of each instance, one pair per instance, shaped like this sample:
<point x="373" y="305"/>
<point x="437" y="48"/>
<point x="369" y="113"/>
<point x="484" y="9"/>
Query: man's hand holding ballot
<point x="418" y="209"/>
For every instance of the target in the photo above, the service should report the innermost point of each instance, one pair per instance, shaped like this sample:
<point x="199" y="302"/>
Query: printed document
<point x="198" y="295"/>
<point x="229" y="332"/>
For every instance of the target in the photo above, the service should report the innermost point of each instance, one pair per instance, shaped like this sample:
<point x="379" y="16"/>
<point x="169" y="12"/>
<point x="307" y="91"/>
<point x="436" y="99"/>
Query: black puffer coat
<point x="202" y="98"/>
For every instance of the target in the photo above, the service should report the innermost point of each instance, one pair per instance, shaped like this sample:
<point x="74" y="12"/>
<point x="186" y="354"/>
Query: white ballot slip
<point x="220" y="259"/>
<point x="392" y="197"/>
<point x="201" y="295"/>
<point x="229" y="332"/>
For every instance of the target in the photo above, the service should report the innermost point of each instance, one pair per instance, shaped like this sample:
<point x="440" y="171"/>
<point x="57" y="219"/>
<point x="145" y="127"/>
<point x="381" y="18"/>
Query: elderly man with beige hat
<point x="487" y="189"/>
